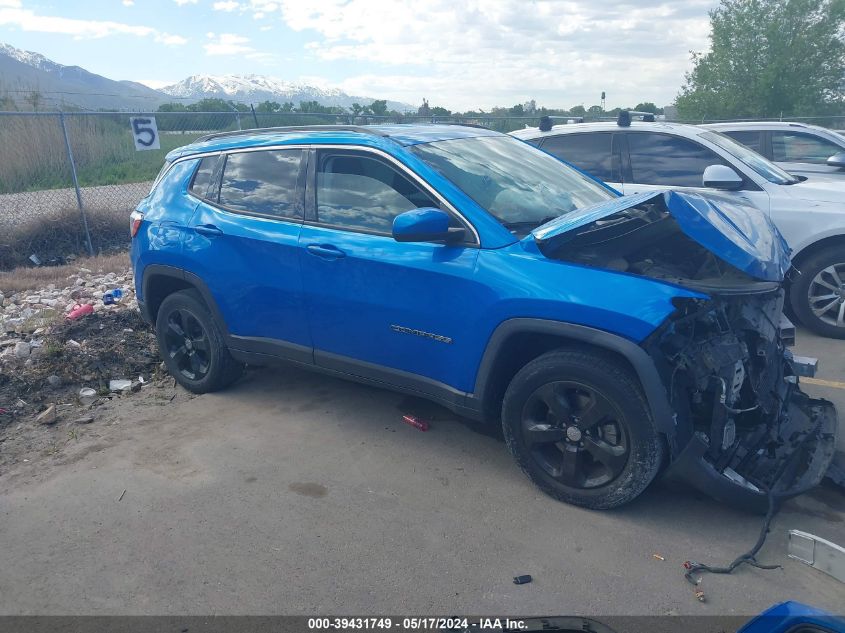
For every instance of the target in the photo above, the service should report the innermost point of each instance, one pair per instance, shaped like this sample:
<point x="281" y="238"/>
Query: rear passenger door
<point x="243" y="243"/>
<point x="596" y="153"/>
<point x="381" y="309"/>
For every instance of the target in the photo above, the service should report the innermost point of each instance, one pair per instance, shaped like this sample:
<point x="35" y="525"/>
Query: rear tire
<point x="817" y="296"/>
<point x="192" y="344"/>
<point x="578" y="425"/>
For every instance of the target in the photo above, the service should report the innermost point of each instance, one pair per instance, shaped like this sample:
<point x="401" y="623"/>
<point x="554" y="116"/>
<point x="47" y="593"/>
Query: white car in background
<point x="799" y="148"/>
<point x="809" y="212"/>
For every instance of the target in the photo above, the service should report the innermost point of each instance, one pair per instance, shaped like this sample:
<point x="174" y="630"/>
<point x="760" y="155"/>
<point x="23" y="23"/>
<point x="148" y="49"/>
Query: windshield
<point x="517" y="183"/>
<point x="750" y="158"/>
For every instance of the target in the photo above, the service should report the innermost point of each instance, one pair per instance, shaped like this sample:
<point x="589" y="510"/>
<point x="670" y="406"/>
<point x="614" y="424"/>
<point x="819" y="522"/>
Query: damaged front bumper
<point x="745" y="432"/>
<point x="799" y="465"/>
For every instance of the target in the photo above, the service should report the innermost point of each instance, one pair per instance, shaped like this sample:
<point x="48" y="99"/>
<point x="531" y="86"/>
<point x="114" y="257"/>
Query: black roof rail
<point x="293" y="128"/>
<point x="624" y="118"/>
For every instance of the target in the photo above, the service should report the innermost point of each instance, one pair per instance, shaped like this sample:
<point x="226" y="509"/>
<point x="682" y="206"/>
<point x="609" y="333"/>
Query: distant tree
<point x="577" y="110"/>
<point x="440" y="111"/>
<point x="287" y="106"/>
<point x="648" y="106"/>
<point x="34" y="99"/>
<point x="595" y="110"/>
<point x="356" y="109"/>
<point x="214" y="105"/>
<point x="268" y="106"/>
<point x="379" y="107"/>
<point x="424" y="110"/>
<point x="172" y="107"/>
<point x="767" y="58"/>
<point x="516" y="110"/>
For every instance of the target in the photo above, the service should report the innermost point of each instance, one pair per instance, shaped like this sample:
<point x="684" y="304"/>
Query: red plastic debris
<point x="414" y="421"/>
<point x="80" y="310"/>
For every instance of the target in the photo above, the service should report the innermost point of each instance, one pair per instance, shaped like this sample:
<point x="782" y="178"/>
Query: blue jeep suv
<point x="611" y="337"/>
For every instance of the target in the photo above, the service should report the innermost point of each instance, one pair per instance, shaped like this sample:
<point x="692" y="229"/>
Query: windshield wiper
<point x="530" y="224"/>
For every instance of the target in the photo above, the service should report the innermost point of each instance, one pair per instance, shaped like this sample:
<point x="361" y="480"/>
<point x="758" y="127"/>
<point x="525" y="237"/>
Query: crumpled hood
<point x="739" y="234"/>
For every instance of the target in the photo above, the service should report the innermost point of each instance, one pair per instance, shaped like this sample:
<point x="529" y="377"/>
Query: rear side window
<point x="202" y="177"/>
<point x="661" y="159"/>
<point x="263" y="183"/>
<point x="798" y="147"/>
<point x="362" y="193"/>
<point x="752" y="139"/>
<point x="592" y="153"/>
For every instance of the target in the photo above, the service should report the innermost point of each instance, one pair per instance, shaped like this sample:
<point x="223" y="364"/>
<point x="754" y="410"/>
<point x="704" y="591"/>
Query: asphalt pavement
<point x="293" y="493"/>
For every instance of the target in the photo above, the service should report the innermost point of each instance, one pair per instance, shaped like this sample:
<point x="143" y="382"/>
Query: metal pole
<point x="238" y="115"/>
<point x="76" y="185"/>
<point x="254" y="117"/>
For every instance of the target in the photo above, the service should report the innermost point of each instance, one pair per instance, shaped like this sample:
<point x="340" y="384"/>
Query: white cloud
<point x="155" y="84"/>
<point x="128" y="3"/>
<point x="233" y="44"/>
<point x="226" y="5"/>
<point x="184" y="2"/>
<point x="28" y="20"/>
<point x="12" y="4"/>
<point x="501" y="52"/>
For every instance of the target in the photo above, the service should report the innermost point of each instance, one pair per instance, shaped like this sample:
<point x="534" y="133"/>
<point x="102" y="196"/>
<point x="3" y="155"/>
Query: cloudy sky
<point x="459" y="54"/>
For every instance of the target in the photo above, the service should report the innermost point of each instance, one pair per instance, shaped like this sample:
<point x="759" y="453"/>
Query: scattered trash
<point x="3" y="411"/>
<point x="87" y="396"/>
<point x="136" y="386"/>
<point x="112" y="296"/>
<point x="35" y="259"/>
<point x="414" y="421"/>
<point x="120" y="385"/>
<point x="699" y="595"/>
<point x="658" y="557"/>
<point x="80" y="310"/>
<point x="85" y="419"/>
<point x="47" y="416"/>
<point x="73" y="344"/>
<point x="818" y="553"/>
<point x="120" y="498"/>
<point x="522" y="580"/>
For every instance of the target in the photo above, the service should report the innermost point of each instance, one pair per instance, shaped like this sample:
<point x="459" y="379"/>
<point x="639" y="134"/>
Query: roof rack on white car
<point x="624" y="118"/>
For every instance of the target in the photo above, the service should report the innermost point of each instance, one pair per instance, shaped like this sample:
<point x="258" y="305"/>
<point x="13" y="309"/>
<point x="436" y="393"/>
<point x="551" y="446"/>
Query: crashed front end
<point x="744" y="432"/>
<point x="745" y="428"/>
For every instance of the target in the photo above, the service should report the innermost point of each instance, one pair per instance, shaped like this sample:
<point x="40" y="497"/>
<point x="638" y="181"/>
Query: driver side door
<point x="377" y="308"/>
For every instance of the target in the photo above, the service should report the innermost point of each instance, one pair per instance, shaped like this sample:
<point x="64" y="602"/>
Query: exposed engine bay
<point x="742" y="421"/>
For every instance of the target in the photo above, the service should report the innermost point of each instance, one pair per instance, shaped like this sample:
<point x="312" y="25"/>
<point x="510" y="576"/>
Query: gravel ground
<point x="16" y="208"/>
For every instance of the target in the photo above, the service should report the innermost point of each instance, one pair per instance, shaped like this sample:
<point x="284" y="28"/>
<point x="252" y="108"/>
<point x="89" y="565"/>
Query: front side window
<point x="364" y="193"/>
<point x="798" y="147"/>
<point x="672" y="161"/>
<point x="751" y="159"/>
<point x="516" y="183"/>
<point x="592" y="153"/>
<point x="750" y="138"/>
<point x="262" y="182"/>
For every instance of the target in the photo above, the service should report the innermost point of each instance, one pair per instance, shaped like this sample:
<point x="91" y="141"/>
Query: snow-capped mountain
<point x="36" y="60"/>
<point x="24" y="73"/>
<point x="258" y="88"/>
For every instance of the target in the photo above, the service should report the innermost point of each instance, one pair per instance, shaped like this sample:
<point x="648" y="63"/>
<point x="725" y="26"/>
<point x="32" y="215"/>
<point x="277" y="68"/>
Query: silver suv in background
<point x="807" y="150"/>
<point x="645" y="156"/>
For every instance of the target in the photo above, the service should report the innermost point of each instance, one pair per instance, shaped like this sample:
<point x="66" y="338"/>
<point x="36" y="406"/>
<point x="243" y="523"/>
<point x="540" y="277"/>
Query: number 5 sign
<point x="144" y="132"/>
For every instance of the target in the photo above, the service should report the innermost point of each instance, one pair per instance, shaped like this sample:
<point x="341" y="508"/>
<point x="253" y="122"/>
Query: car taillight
<point x="135" y="220"/>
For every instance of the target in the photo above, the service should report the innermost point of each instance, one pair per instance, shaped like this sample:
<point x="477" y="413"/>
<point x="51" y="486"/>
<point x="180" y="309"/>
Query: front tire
<point x="578" y="425"/>
<point x="817" y="296"/>
<point x="192" y="345"/>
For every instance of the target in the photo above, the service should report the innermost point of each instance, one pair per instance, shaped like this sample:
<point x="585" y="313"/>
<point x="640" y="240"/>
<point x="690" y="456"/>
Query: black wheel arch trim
<point x="160" y="270"/>
<point x="639" y="359"/>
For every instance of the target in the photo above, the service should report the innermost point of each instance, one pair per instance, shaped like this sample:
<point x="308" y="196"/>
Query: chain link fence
<point x="68" y="181"/>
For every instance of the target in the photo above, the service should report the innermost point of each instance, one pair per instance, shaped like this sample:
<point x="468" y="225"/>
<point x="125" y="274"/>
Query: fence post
<point x="238" y="117"/>
<point x="76" y="185"/>
<point x="254" y="117"/>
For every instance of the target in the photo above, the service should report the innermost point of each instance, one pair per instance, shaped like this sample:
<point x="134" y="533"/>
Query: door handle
<point x="326" y="251"/>
<point x="208" y="229"/>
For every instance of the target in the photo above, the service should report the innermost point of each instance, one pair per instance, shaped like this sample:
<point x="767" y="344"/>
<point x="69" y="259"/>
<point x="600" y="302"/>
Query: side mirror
<point x="721" y="177"/>
<point x="424" y="225"/>
<point x="837" y="160"/>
